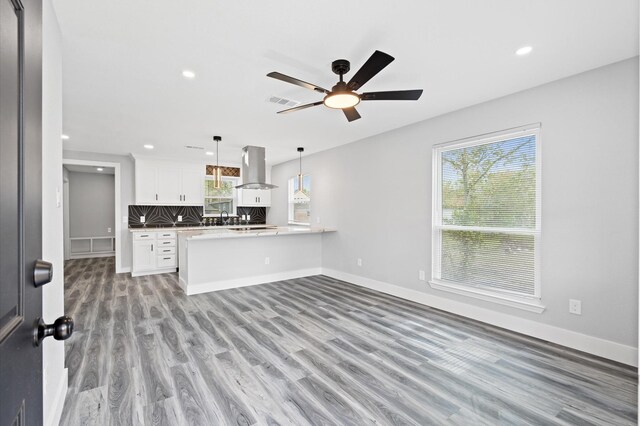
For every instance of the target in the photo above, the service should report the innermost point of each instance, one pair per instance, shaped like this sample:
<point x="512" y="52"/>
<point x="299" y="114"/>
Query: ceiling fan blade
<point x="394" y="95"/>
<point x="351" y="113"/>
<point x="373" y="66"/>
<point x="300" y="107"/>
<point x="287" y="79"/>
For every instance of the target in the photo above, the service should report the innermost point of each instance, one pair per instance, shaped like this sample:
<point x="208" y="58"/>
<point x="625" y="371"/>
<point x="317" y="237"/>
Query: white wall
<point x="54" y="373"/>
<point x="91" y="204"/>
<point x="126" y="194"/>
<point x="377" y="192"/>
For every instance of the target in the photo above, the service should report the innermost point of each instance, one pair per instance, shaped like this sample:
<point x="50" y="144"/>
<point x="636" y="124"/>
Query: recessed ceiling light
<point x="525" y="50"/>
<point x="99" y="169"/>
<point x="148" y="146"/>
<point x="188" y="74"/>
<point x="209" y="153"/>
<point x="65" y="137"/>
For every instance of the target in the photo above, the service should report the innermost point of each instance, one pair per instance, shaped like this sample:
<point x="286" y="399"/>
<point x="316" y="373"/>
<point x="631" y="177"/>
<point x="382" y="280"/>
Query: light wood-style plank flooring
<point x="313" y="351"/>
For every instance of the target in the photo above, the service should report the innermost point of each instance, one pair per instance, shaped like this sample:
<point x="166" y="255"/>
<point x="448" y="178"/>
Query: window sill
<point x="526" y="304"/>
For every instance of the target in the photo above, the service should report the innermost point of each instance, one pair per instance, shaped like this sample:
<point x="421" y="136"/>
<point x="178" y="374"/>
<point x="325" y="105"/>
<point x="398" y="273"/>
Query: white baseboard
<point x="243" y="282"/>
<point x="56" y="414"/>
<point x="582" y="342"/>
<point x="92" y="255"/>
<point x="154" y="272"/>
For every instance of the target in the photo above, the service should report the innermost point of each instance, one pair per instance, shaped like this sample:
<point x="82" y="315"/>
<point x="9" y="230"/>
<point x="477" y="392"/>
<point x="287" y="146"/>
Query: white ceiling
<point x="123" y="61"/>
<point x="89" y="169"/>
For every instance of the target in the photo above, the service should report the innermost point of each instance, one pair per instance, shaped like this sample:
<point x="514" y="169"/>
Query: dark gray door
<point x="20" y="210"/>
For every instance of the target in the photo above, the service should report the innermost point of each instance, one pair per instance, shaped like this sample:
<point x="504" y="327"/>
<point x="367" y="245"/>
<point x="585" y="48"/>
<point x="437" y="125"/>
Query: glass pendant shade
<point x="217" y="177"/>
<point x="217" y="172"/>
<point x="299" y="196"/>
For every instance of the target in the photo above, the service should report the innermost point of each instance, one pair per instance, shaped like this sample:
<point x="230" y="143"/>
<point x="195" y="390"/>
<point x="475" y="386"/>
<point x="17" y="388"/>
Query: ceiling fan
<point x="342" y="95"/>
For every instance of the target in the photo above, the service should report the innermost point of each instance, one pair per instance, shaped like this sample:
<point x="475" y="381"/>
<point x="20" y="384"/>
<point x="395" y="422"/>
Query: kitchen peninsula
<point x="218" y="259"/>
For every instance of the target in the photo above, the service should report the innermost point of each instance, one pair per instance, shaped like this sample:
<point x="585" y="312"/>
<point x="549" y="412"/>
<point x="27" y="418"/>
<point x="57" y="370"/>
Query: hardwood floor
<point x="313" y="351"/>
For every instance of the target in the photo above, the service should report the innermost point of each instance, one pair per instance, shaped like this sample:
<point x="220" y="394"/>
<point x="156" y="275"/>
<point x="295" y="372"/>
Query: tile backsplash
<point x="165" y="216"/>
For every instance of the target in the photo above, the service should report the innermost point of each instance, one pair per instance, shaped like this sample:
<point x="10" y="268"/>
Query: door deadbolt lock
<point x="42" y="272"/>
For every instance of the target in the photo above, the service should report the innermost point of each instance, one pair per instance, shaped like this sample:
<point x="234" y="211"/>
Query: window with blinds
<point x="486" y="218"/>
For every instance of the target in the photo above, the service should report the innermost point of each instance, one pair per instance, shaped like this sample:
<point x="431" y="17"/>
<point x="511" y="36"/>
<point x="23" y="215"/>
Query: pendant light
<point x="299" y="196"/>
<point x="217" y="172"/>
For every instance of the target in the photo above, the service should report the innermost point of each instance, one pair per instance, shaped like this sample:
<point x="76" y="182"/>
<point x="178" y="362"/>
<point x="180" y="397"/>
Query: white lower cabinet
<point x="154" y="253"/>
<point x="144" y="258"/>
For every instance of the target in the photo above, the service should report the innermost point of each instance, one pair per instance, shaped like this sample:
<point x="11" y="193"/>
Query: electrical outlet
<point x="359" y="262"/>
<point x="179" y="218"/>
<point x="318" y="219"/>
<point x="267" y="261"/>
<point x="125" y="219"/>
<point x="575" y="306"/>
<point x="421" y="276"/>
<point x="142" y="219"/>
<point x="108" y="230"/>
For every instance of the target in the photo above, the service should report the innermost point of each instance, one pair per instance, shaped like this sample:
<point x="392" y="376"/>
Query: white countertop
<point x="193" y="228"/>
<point x="205" y="234"/>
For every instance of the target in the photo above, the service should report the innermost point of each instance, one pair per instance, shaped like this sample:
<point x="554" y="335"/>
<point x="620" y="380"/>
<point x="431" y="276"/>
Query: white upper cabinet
<point x="193" y="186"/>
<point x="254" y="197"/>
<point x="167" y="183"/>
<point x="146" y="185"/>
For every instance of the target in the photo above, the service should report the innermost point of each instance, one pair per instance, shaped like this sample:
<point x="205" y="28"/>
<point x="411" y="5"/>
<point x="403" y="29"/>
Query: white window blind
<point x="486" y="222"/>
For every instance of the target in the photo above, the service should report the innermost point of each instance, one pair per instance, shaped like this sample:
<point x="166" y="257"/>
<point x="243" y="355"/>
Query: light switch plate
<point x="179" y="218"/>
<point x="142" y="219"/>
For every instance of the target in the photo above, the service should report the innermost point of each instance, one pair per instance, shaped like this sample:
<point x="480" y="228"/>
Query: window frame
<point x="532" y="303"/>
<point x="235" y="181"/>
<point x="290" y="205"/>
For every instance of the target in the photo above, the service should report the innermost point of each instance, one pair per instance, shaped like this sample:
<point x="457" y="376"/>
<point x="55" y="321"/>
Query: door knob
<point x="42" y="273"/>
<point x="61" y="329"/>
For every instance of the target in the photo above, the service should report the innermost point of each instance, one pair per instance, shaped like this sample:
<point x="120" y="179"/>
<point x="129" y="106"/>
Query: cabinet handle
<point x="144" y="236"/>
<point x="156" y="197"/>
<point x="166" y="258"/>
<point x="151" y="247"/>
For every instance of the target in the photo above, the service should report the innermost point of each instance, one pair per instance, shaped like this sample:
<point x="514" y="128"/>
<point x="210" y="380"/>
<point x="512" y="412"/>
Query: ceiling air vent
<point x="193" y="147"/>
<point x="282" y="101"/>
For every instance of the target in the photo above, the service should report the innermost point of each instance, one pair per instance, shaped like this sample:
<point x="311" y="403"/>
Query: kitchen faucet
<point x="224" y="221"/>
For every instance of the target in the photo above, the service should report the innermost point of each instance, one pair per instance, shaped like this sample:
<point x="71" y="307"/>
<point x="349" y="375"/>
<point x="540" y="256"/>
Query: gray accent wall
<point x="127" y="185"/>
<point x="91" y="205"/>
<point x="377" y="193"/>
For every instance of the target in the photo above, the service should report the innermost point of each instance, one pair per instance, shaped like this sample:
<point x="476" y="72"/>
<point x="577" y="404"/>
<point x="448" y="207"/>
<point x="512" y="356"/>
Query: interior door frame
<point x="118" y="202"/>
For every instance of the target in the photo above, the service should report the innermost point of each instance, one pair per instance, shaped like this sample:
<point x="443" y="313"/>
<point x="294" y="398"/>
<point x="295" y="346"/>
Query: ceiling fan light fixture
<point x="340" y="100"/>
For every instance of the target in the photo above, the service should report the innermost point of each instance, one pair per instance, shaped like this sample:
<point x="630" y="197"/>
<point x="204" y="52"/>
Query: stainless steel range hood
<point x="254" y="169"/>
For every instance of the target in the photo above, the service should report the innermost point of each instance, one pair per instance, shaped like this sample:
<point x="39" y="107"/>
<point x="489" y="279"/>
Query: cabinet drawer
<point x="166" y="234"/>
<point x="144" y="235"/>
<point x="166" y="250"/>
<point x="167" y="261"/>
<point x="167" y="243"/>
